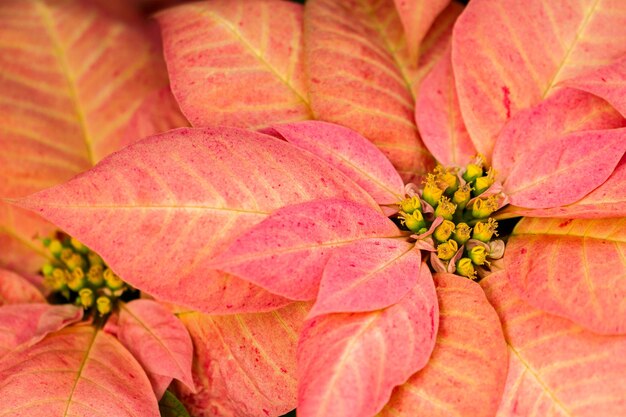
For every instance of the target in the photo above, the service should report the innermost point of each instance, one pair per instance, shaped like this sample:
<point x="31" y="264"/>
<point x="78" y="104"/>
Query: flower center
<point x="75" y="274"/>
<point x="451" y="218"/>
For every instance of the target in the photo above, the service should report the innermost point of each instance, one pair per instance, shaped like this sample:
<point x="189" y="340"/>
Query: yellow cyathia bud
<point x="447" y="177"/>
<point x="76" y="280"/>
<point x="462" y="196"/>
<point x="95" y="275"/>
<point x="75" y="261"/>
<point x="94" y="258"/>
<point x="447" y="250"/>
<point x="472" y="172"/>
<point x="103" y="304"/>
<point x="443" y="231"/>
<point x="445" y="208"/>
<point x="478" y="255"/>
<point x="85" y="297"/>
<point x="461" y="233"/>
<point x="57" y="281"/>
<point x="113" y="281"/>
<point x="483" y="183"/>
<point x="55" y="247"/>
<point x="433" y="190"/>
<point x="410" y="204"/>
<point x="484" y="207"/>
<point x="66" y="254"/>
<point x="79" y="246"/>
<point x="485" y="231"/>
<point x="465" y="268"/>
<point x="414" y="222"/>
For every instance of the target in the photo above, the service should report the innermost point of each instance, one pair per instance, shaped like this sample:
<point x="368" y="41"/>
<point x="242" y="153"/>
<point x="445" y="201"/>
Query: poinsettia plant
<point x="332" y="267"/>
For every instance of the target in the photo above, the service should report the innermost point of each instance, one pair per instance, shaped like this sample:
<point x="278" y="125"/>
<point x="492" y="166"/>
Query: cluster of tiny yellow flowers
<point x="456" y="203"/>
<point x="80" y="275"/>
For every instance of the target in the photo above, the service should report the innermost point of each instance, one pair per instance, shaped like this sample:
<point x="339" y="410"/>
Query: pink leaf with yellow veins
<point x="366" y="88"/>
<point x="173" y="201"/>
<point x="502" y="64"/>
<point x="158" y="340"/>
<point x="29" y="323"/>
<point x="606" y="201"/>
<point x="94" y="376"/>
<point x="67" y="93"/>
<point x="439" y="118"/>
<point x="566" y="169"/>
<point x="286" y="253"/>
<point x="470" y="352"/>
<point x="15" y="289"/>
<point x="564" y="112"/>
<point x="245" y="364"/>
<point x="574" y="268"/>
<point x="556" y="368"/>
<point x="417" y="17"/>
<point x="369" y="275"/>
<point x="349" y="363"/>
<point x="354" y="155"/>
<point x="608" y="82"/>
<point x="236" y="63"/>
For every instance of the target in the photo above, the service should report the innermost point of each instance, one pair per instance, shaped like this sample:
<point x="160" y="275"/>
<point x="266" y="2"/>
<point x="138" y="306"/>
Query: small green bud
<point x="86" y="297"/>
<point x="77" y="279"/>
<point x="465" y="268"/>
<point x="410" y="204"/>
<point x="55" y="247"/>
<point x="447" y="250"/>
<point x="484" y="207"/>
<point x="478" y="255"/>
<point x="485" y="231"/>
<point x="46" y="241"/>
<point x="461" y="233"/>
<point x="462" y="196"/>
<point x="113" y="281"/>
<point x="95" y="275"/>
<point x="103" y="304"/>
<point x="445" y="208"/>
<point x="47" y="269"/>
<point x="472" y="172"/>
<point x="443" y="232"/>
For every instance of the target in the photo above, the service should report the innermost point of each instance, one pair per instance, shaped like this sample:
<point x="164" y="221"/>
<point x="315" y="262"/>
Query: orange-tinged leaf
<point x="173" y="201"/>
<point x="509" y="55"/>
<point x="236" y="63"/>
<point x="466" y="373"/>
<point x="348" y="364"/>
<point x="366" y="87"/>
<point x="556" y="368"/>
<point x="565" y="112"/>
<point x="439" y="118"/>
<point x="436" y="42"/>
<point x="15" y="289"/>
<point x="287" y="252"/>
<point x="78" y="371"/>
<point x="245" y="364"/>
<point x="566" y="169"/>
<point x="71" y="76"/>
<point x="158" y="340"/>
<point x="606" y="201"/>
<point x="417" y="17"/>
<point x="354" y="155"/>
<point x="574" y="268"/>
<point x="368" y="275"/>
<point x="608" y="82"/>
<point x="31" y="322"/>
